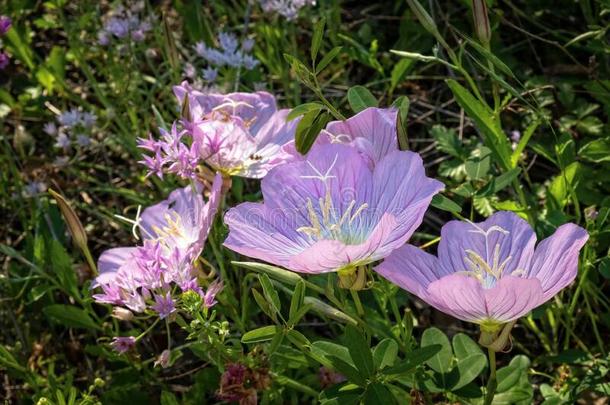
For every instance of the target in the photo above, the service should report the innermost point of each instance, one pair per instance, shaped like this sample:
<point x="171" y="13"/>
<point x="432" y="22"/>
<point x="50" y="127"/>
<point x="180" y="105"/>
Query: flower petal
<point x="259" y="232"/>
<point x="411" y="269"/>
<point x="376" y="125"/>
<point x="555" y="261"/>
<point x="514" y="236"/>
<point x="460" y="296"/>
<point x="512" y="297"/>
<point x="109" y="263"/>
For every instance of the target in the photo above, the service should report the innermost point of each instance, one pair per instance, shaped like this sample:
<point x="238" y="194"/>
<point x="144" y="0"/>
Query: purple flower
<point x="209" y="298"/>
<point x="488" y="273"/>
<point x="174" y="233"/>
<point x="4" y="60"/>
<point x="247" y="44"/>
<point x="229" y="53"/>
<point x="228" y="42"/>
<point x="62" y="141"/>
<point x="70" y="118"/>
<point x="123" y="344"/>
<point x="103" y="37"/>
<point x="34" y="188"/>
<point x="239" y="134"/>
<point x="332" y="211"/>
<point x="164" y="305"/>
<point x="371" y="131"/>
<point x="83" y="140"/>
<point x="5" y="24"/>
<point x="50" y="128"/>
<point x="189" y="71"/>
<point x="287" y="8"/>
<point x="210" y="74"/>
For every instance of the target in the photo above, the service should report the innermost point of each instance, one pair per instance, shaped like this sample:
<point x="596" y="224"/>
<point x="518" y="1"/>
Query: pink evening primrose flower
<point x="241" y="134"/>
<point x="371" y="131"/>
<point x="174" y="233"/>
<point x="332" y="212"/>
<point x="488" y="273"/>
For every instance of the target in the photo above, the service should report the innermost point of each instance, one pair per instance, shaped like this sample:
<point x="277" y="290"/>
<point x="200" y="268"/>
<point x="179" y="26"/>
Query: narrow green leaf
<point x="276" y="273"/>
<point x="596" y="151"/>
<point x="332" y="54"/>
<point x="444" y="203"/>
<point x="261" y="334"/>
<point x="483" y="117"/>
<point x="360" y="98"/>
<point x="270" y="293"/>
<point x="316" y="40"/>
<point x="324" y="309"/>
<point x="505" y="179"/>
<point x="402" y="104"/>
<point x="304" y="109"/>
<point x="263" y="304"/>
<point x="308" y="130"/>
<point x="298" y="295"/>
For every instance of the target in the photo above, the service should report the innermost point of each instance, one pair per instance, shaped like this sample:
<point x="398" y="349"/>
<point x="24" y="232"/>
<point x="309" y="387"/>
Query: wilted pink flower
<point x="332" y="211"/>
<point x="488" y="273"/>
<point x="123" y="344"/>
<point x="174" y="233"/>
<point x="240" y="134"/>
<point x="164" y="359"/>
<point x="209" y="298"/>
<point x="371" y="131"/>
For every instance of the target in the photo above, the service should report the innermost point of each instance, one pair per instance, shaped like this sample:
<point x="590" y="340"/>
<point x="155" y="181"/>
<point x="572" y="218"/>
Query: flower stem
<point x="356" y="298"/>
<point x="492" y="384"/>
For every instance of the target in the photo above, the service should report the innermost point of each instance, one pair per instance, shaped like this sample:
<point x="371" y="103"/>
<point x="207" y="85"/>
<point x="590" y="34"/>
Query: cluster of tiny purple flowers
<point x="125" y="23"/>
<point x="287" y="8"/>
<point x="72" y="128"/>
<point x="229" y="53"/>
<point x="5" y="25"/>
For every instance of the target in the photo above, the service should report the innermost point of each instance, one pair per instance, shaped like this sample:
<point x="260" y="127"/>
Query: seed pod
<point x="481" y="21"/>
<point x="74" y="225"/>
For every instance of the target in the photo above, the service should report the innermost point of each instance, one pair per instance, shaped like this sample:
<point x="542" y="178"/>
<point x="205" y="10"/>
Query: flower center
<point x="487" y="270"/>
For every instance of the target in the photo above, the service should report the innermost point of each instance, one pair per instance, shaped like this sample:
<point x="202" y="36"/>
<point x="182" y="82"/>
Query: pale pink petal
<point x="411" y="269"/>
<point x="555" y="261"/>
<point x="109" y="263"/>
<point x="512" y="297"/>
<point x="460" y="296"/>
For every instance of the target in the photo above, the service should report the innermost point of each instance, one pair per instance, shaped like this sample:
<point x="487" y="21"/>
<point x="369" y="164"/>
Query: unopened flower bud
<point x="74" y="225"/>
<point x="496" y="338"/>
<point x="98" y="382"/>
<point x="122" y="314"/>
<point x="481" y="21"/>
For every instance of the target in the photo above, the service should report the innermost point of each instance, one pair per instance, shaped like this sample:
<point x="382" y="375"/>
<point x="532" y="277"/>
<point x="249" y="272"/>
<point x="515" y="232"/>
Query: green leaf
<point x="399" y="71"/>
<point x="326" y="310"/>
<point x="70" y="316"/>
<point x="505" y="179"/>
<point x="464" y="346"/>
<point x="316" y="40"/>
<point x="300" y="70"/>
<point x="468" y="369"/>
<point x="360" y="98"/>
<point x="477" y="167"/>
<point x="296" y="302"/>
<point x="326" y="349"/>
<point x="402" y="103"/>
<point x="596" y="151"/>
<point x="447" y="141"/>
<point x="443" y="203"/>
<point x="261" y="334"/>
<point x="168" y="398"/>
<point x="61" y="264"/>
<point x="414" y="359"/>
<point x="270" y="293"/>
<point x="483" y="117"/>
<point x="359" y="351"/>
<point x="332" y="54"/>
<point x="308" y="130"/>
<point x="441" y="361"/>
<point x="385" y="353"/>
<point x="562" y="185"/>
<point x="377" y="393"/>
<point x="529" y="131"/>
<point x="304" y="109"/>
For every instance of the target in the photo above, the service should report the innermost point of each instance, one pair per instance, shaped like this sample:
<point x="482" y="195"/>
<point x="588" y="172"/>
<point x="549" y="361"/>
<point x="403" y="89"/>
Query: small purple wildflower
<point x="5" y="24"/>
<point x="123" y="344"/>
<point x="4" y="60"/>
<point x="164" y="305"/>
<point x="229" y="52"/>
<point x="83" y="140"/>
<point x="34" y="188"/>
<point x="209" y="298"/>
<point x="488" y="273"/>
<point x="189" y="71"/>
<point x="515" y="135"/>
<point x="124" y="24"/>
<point x="210" y="74"/>
<point x="62" y="141"/>
<point x="50" y="128"/>
<point x="287" y="8"/>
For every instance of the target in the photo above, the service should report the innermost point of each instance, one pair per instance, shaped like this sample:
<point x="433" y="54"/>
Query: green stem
<point x="356" y="298"/>
<point x="492" y="384"/>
